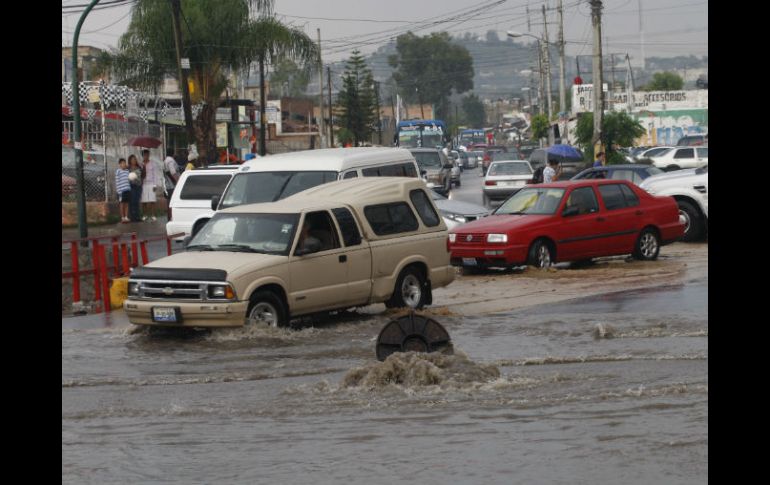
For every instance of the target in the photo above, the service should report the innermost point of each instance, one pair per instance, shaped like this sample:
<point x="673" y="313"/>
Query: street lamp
<point x="514" y="34"/>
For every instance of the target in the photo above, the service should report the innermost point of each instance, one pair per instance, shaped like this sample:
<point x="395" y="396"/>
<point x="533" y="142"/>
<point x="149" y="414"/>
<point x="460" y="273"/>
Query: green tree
<point x="618" y="129"/>
<point x="428" y="68"/>
<point x="664" y="81"/>
<point x="474" y="111"/>
<point x="216" y="40"/>
<point x="539" y="126"/>
<point x="289" y="78"/>
<point x="357" y="100"/>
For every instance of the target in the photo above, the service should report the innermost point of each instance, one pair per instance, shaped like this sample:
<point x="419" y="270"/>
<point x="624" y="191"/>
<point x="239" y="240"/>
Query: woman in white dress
<point x="153" y="177"/>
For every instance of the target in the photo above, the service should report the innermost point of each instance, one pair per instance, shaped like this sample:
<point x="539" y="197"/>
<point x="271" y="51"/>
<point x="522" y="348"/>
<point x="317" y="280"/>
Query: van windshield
<point x="257" y="187"/>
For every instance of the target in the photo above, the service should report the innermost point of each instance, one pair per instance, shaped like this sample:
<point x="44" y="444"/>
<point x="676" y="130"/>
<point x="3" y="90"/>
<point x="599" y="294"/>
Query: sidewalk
<point x="142" y="229"/>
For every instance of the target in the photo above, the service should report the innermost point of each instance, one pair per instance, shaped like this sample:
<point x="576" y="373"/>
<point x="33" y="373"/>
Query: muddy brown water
<point x="607" y="389"/>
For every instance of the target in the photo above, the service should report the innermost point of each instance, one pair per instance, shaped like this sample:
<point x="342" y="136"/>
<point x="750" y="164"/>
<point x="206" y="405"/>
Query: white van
<point x="190" y="205"/>
<point x="278" y="176"/>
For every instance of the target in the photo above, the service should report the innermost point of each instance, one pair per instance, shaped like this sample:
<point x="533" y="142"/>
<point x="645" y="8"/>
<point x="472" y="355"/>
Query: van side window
<point x="204" y="186"/>
<point x="391" y="170"/>
<point x="347" y="223"/>
<point x="350" y="175"/>
<point x="424" y="208"/>
<point x="391" y="218"/>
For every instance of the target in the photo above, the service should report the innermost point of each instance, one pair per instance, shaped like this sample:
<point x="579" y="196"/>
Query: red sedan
<point x="568" y="221"/>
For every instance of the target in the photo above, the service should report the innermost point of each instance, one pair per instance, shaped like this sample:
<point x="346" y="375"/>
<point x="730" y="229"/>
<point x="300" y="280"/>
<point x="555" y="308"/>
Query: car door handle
<point x="639" y="213"/>
<point x="343" y="258"/>
<point x="601" y="219"/>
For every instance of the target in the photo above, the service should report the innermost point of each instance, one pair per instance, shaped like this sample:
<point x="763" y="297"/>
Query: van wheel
<point x="410" y="290"/>
<point x="693" y="223"/>
<point x="198" y="226"/>
<point x="265" y="307"/>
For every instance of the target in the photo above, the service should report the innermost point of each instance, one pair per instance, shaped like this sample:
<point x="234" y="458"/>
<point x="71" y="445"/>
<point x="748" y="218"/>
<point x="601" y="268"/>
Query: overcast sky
<point x="671" y="27"/>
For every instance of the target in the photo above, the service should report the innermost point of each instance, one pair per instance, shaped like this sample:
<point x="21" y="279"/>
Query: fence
<point x="108" y="260"/>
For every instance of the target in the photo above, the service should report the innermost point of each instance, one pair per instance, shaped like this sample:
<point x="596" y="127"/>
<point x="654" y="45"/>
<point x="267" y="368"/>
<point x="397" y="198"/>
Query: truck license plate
<point x="469" y="261"/>
<point x="164" y="314"/>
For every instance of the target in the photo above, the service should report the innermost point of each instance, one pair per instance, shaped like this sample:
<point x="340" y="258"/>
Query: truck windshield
<point x="257" y="187"/>
<point x="253" y="233"/>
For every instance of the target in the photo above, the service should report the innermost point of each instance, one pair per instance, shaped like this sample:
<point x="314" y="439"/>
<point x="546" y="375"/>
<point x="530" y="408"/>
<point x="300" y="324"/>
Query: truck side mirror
<point x="215" y="202"/>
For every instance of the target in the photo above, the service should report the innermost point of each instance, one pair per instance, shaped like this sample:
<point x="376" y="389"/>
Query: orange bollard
<point x="143" y="245"/>
<point x="134" y="251"/>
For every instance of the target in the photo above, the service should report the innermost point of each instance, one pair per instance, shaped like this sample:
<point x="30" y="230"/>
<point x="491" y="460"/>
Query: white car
<point x="504" y="178"/>
<point x="682" y="157"/>
<point x="456" y="212"/>
<point x="190" y="205"/>
<point x="690" y="188"/>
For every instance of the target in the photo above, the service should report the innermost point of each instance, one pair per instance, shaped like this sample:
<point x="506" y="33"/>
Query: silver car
<point x="504" y="178"/>
<point x="455" y="212"/>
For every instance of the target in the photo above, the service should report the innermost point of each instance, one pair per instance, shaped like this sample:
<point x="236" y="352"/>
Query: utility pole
<point x="596" y="21"/>
<point x="186" y="103"/>
<point x="321" y="128"/>
<point x="540" y="72"/>
<point x="379" y="121"/>
<point x="562" y="82"/>
<point x="548" y="76"/>
<point x="331" y="125"/>
<point x="82" y="222"/>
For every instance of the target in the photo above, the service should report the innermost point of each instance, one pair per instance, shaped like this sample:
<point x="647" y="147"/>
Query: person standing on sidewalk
<point x="153" y="178"/>
<point x="170" y="167"/>
<point x="135" y="179"/>
<point x="123" y="188"/>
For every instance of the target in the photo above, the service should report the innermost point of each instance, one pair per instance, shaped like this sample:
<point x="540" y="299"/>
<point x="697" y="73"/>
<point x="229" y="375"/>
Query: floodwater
<point x="610" y="389"/>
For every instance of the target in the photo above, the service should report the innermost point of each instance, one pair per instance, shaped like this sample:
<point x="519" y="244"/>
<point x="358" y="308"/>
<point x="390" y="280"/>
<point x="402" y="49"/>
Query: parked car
<point x="690" y="188"/>
<point x="651" y="152"/>
<point x="505" y="178"/>
<point x="278" y="176"/>
<point x="569" y="167"/>
<point x="189" y="208"/>
<point x="93" y="173"/>
<point x="568" y="221"/>
<point x="682" y="157"/>
<point x="693" y="140"/>
<point x="456" y="212"/>
<point x="435" y="167"/>
<point x="633" y="173"/>
<point x="338" y="245"/>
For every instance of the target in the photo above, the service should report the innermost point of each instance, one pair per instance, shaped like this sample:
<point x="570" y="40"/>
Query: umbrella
<point x="144" y="141"/>
<point x="565" y="151"/>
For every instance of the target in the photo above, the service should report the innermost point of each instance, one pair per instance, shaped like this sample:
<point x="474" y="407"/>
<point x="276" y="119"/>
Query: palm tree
<point x="216" y="36"/>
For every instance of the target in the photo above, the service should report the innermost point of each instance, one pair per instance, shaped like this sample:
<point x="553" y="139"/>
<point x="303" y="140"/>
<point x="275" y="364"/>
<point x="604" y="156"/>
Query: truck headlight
<point x="221" y="291"/>
<point x="133" y="288"/>
<point x="497" y="238"/>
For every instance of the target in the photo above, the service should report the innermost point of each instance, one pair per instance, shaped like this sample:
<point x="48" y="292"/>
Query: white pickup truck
<point x="690" y="189"/>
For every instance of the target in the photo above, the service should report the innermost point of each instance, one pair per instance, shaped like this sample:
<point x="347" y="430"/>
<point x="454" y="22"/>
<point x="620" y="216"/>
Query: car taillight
<point x="490" y="182"/>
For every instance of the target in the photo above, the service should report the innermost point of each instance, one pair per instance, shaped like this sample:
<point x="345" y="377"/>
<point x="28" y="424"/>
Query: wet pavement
<point x="607" y="389"/>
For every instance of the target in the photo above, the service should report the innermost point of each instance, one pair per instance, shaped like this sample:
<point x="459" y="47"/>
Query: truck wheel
<point x="693" y="222"/>
<point x="410" y="290"/>
<point x="267" y="308"/>
<point x="647" y="245"/>
<point x="540" y="254"/>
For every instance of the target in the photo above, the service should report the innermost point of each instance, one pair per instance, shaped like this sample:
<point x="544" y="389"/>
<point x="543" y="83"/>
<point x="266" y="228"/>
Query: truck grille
<point x="171" y="290"/>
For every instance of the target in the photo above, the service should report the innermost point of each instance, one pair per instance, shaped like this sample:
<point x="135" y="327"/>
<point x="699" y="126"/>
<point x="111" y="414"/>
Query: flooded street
<point x="611" y="388"/>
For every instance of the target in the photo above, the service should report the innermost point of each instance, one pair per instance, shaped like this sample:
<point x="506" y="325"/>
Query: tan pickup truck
<point x="338" y="245"/>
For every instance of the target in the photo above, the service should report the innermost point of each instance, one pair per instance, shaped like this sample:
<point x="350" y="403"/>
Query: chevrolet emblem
<point x="168" y="291"/>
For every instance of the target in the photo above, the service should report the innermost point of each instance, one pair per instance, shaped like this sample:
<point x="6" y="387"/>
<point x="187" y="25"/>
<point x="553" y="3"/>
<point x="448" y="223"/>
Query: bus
<point x="422" y="133"/>
<point x="472" y="135"/>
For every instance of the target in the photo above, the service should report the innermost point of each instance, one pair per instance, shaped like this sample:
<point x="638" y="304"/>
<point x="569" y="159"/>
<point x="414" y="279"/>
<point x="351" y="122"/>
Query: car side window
<point x="584" y="199"/>
<point x="424" y="208"/>
<point x="703" y="152"/>
<point x="623" y="175"/>
<point x="391" y="218"/>
<point x="631" y="199"/>
<point x="612" y="196"/>
<point x="685" y="153"/>
<point x="350" y="234"/>
<point x="350" y="175"/>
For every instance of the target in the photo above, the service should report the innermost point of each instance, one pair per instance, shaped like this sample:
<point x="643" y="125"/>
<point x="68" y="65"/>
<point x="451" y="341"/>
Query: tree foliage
<point x="664" y="81"/>
<point x="428" y="68"/>
<point x="216" y="40"/>
<point x="357" y="100"/>
<point x="289" y="78"/>
<point x="474" y="111"/>
<point x="539" y="126"/>
<point x="618" y="129"/>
